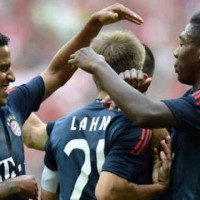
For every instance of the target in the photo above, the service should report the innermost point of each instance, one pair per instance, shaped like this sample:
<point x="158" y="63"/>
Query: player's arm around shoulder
<point x="113" y="187"/>
<point x="34" y="133"/>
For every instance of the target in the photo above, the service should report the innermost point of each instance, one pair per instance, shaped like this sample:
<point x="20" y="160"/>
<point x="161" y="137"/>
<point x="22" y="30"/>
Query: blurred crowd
<point x="38" y="28"/>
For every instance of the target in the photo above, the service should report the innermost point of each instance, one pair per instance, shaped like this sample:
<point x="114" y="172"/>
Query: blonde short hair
<point x="122" y="50"/>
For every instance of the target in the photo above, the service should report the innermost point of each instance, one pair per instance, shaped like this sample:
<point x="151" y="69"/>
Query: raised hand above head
<point x="117" y="12"/>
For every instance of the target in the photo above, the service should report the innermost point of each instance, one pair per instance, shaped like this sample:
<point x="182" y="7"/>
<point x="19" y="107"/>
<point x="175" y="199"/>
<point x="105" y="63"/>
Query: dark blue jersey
<point x="185" y="173"/>
<point x="127" y="151"/>
<point x="77" y="147"/>
<point x="21" y="102"/>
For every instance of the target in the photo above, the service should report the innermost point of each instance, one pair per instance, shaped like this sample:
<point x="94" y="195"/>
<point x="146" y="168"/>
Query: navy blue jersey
<point x="21" y="102"/>
<point x="77" y="146"/>
<point x="127" y="151"/>
<point x="185" y="173"/>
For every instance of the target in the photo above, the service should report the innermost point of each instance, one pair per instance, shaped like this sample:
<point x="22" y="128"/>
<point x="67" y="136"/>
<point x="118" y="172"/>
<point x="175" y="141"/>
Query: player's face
<point x="6" y="74"/>
<point x="187" y="55"/>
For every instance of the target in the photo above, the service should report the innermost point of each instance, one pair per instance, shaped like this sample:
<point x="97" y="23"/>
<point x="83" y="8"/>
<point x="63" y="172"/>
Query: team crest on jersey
<point x="14" y="125"/>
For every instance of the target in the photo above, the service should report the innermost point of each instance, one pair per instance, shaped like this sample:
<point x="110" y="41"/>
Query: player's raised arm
<point x="59" y="71"/>
<point x="138" y="107"/>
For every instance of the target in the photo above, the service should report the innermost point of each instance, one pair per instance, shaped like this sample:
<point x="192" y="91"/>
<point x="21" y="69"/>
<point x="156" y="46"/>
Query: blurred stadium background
<point x="38" y="28"/>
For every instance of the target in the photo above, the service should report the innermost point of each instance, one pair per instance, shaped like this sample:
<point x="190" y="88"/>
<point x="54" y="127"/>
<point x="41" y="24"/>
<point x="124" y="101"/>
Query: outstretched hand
<point x="162" y="163"/>
<point x="116" y="12"/>
<point x="86" y="57"/>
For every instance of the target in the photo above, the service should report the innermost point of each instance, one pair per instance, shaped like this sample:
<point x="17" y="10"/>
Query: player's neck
<point x="101" y="94"/>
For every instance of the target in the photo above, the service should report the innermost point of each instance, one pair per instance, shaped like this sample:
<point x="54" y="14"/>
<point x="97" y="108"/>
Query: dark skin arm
<point x="136" y="106"/>
<point x="21" y="186"/>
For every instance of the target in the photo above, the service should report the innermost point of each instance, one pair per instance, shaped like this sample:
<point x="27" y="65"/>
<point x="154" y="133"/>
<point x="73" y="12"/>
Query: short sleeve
<point x="27" y="98"/>
<point x="126" y="150"/>
<point x="186" y="111"/>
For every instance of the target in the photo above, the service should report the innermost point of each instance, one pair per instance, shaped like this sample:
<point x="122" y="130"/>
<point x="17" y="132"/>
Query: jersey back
<point x="76" y="143"/>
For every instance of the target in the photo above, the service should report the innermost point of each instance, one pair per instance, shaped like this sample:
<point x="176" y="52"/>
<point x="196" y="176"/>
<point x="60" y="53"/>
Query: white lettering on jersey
<point x="73" y="128"/>
<point x="96" y="123"/>
<point x="86" y="168"/>
<point x="83" y="124"/>
<point x="104" y="123"/>
<point x="5" y="163"/>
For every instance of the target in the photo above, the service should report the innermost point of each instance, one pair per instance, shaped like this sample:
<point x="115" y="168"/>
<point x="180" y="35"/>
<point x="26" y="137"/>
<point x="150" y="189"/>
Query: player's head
<point x="187" y="54"/>
<point x="122" y="50"/>
<point x="149" y="63"/>
<point x="6" y="74"/>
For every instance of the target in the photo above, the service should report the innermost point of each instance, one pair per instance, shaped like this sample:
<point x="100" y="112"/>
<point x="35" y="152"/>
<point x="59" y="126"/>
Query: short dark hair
<point x="195" y="19"/>
<point x="149" y="63"/>
<point x="4" y="40"/>
<point x="195" y="22"/>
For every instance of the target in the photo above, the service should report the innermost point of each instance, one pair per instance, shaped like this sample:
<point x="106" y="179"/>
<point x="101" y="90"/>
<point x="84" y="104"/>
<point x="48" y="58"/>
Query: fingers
<point x="140" y="77"/>
<point x="106" y="101"/>
<point x="130" y="76"/>
<point x="166" y="163"/>
<point x="156" y="155"/>
<point x="126" y="13"/>
<point x="36" y="192"/>
<point x="166" y="147"/>
<point x="162" y="162"/>
<point x="117" y="12"/>
<point x="112" y="105"/>
<point x="72" y="61"/>
<point x="33" y="188"/>
<point x="109" y="103"/>
<point x="86" y="59"/>
<point x="75" y="57"/>
<point x="156" y="165"/>
<point x="168" y="142"/>
<point x="165" y="155"/>
<point x="145" y="85"/>
<point x="136" y="79"/>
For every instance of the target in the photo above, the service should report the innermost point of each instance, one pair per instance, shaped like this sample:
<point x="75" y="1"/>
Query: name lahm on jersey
<point x="94" y="124"/>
